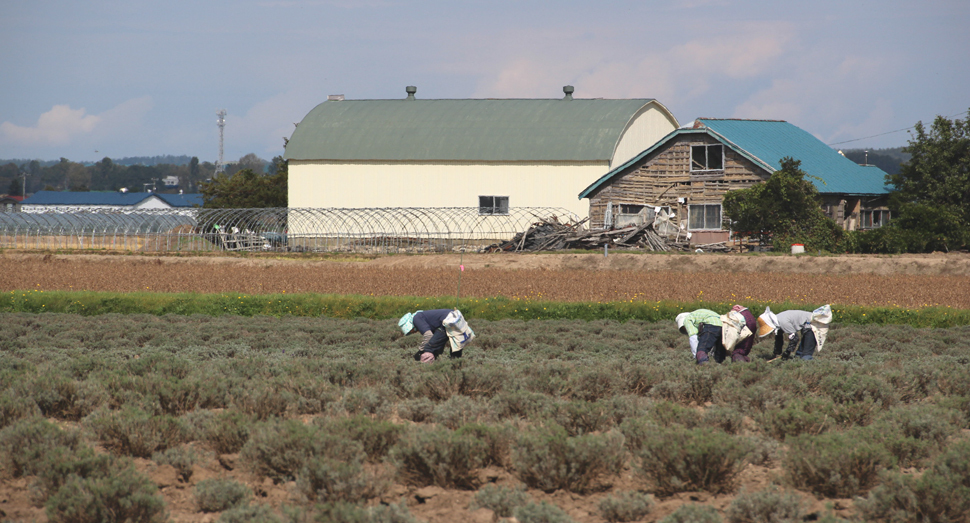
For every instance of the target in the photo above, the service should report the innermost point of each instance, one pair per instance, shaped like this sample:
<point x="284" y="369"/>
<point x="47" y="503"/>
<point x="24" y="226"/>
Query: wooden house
<point x="687" y="173"/>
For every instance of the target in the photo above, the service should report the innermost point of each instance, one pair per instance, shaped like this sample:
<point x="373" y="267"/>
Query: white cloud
<point x="681" y="71"/>
<point x="58" y="126"/>
<point x="63" y="126"/>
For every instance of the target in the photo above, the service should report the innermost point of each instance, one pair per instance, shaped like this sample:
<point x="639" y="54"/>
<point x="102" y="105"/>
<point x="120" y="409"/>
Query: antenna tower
<point x="220" y="166"/>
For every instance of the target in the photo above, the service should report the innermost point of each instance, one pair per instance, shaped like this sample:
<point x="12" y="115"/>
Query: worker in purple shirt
<point x="434" y="337"/>
<point x="743" y="347"/>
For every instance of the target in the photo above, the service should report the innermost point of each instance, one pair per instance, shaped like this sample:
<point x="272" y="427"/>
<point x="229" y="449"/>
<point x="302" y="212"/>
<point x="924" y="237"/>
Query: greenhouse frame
<point x="375" y="230"/>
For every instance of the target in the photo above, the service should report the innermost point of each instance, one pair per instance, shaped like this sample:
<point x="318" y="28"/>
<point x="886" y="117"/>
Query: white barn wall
<point x="647" y="127"/>
<point x="440" y="184"/>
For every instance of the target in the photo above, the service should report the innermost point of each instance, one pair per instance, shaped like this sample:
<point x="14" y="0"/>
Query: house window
<point x="704" y="217"/>
<point x="706" y="157"/>
<point x="493" y="205"/>
<point x="874" y="219"/>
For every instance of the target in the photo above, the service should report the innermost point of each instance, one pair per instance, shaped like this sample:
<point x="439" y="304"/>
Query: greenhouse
<point x="377" y="230"/>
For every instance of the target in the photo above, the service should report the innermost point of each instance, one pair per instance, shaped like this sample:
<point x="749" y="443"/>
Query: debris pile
<point x="550" y="235"/>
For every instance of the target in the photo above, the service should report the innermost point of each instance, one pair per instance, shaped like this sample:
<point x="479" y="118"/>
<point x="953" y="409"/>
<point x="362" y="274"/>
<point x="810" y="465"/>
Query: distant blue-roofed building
<point x="687" y="173"/>
<point x="64" y="201"/>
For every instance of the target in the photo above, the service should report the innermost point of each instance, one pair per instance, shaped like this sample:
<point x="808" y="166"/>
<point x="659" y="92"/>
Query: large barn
<point x="688" y="172"/>
<point x="487" y="153"/>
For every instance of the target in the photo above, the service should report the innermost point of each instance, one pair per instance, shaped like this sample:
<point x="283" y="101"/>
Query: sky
<point x="105" y="78"/>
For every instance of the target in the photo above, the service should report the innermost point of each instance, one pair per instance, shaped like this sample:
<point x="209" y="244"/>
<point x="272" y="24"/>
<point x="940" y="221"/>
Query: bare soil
<point x="910" y="281"/>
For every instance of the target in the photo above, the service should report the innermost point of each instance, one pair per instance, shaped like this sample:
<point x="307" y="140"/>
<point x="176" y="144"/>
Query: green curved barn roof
<point x="464" y="130"/>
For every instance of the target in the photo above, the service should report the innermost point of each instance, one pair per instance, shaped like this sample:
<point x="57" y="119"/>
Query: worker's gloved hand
<point x="427" y="357"/>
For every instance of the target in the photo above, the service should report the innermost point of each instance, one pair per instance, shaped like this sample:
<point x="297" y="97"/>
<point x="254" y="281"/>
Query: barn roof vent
<point x="411" y="90"/>
<point x="568" y="89"/>
<point x="335" y="98"/>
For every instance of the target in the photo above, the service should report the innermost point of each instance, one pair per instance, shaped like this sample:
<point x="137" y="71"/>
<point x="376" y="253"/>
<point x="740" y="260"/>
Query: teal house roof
<point x="765" y="143"/>
<point x="463" y="130"/>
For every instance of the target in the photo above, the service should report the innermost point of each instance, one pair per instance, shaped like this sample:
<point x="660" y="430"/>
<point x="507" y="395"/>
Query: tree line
<point x="929" y="202"/>
<point x="20" y="178"/>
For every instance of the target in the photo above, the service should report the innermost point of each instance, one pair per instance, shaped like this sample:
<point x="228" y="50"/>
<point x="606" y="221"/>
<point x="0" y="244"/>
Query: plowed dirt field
<point x="904" y="281"/>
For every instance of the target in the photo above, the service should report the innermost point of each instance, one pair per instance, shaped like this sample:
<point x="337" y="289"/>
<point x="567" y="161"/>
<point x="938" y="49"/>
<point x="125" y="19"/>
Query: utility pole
<point x="221" y="122"/>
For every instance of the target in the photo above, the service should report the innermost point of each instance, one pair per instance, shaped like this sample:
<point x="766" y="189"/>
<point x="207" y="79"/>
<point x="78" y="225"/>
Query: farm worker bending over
<point x="804" y="330"/>
<point x="743" y="347"/>
<point x="703" y="328"/>
<point x="437" y="328"/>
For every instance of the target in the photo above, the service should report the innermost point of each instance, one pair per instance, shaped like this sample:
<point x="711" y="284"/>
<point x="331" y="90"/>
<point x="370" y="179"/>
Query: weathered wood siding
<point x="664" y="177"/>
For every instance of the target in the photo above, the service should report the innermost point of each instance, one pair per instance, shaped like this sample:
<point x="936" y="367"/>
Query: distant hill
<point x="888" y="160"/>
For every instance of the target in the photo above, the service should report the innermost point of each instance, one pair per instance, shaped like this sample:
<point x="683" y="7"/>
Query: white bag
<point x="459" y="333"/>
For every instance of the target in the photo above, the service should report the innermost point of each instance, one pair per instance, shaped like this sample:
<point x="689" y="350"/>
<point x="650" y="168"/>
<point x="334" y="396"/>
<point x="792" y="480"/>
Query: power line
<point x="889" y="132"/>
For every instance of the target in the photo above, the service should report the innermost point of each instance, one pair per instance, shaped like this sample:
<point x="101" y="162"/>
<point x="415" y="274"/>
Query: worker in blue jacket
<point x="434" y="337"/>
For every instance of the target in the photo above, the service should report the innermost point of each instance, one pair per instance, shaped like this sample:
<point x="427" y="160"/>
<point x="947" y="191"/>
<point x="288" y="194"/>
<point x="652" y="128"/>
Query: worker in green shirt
<point x="703" y="329"/>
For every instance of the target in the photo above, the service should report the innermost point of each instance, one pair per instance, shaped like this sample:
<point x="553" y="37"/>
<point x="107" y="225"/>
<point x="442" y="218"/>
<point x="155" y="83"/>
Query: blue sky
<point x="85" y="80"/>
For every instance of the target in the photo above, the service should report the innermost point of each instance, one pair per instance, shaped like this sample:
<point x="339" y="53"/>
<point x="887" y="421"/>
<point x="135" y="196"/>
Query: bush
<point x="376" y="436"/>
<point x="330" y="480"/>
<point x="263" y="403"/>
<point x="636" y="431"/>
<point x="26" y="444"/>
<point x="625" y="506"/>
<point x="582" y="417"/>
<point x="216" y="495"/>
<point x="497" y="440"/>
<point x="838" y="465"/>
<point x="914" y="433"/>
<point x="278" y="449"/>
<point x="941" y="494"/>
<point x="770" y="505"/>
<point x="228" y="431"/>
<point x="541" y="513"/>
<point x="134" y="432"/>
<point x="693" y="513"/>
<point x="123" y="496"/>
<point x="803" y="416"/>
<point x="548" y="459"/>
<point x="181" y="458"/>
<point x="501" y="500"/>
<point x="417" y="410"/>
<point x="249" y="514"/>
<point x="680" y="460"/>
<point x="14" y="408"/>
<point x="429" y="456"/>
<point x="459" y="410"/>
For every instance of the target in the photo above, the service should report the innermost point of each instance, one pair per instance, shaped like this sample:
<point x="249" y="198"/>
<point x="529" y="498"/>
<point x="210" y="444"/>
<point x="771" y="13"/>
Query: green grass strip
<point x="387" y="307"/>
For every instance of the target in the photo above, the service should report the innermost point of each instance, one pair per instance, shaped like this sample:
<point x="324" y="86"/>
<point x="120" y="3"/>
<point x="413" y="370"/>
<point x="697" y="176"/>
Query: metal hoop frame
<point x="366" y="230"/>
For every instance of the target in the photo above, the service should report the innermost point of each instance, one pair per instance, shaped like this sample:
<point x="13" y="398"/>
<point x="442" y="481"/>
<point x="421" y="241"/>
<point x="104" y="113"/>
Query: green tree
<point x="246" y="189"/>
<point x="932" y="190"/>
<point x="785" y="209"/>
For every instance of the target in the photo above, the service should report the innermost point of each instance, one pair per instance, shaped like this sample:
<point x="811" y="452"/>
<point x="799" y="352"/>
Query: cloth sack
<point x="459" y="333"/>
<point x="821" y="317"/>
<point x="733" y="329"/>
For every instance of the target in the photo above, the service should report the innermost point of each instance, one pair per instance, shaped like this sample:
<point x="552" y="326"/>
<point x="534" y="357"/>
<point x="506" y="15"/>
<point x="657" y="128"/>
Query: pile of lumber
<point x="549" y="235"/>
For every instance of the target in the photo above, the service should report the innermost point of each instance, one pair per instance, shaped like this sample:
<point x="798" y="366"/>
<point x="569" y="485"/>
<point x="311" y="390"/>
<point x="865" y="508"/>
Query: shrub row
<point x="89" y="303"/>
